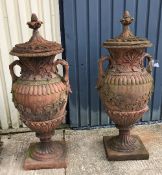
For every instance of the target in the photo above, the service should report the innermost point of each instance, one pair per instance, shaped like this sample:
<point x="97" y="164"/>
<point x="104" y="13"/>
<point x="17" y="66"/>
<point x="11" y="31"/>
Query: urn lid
<point x="37" y="46"/>
<point x="127" y="39"/>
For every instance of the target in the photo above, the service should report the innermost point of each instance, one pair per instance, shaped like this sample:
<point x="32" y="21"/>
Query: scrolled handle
<point x="11" y="66"/>
<point x="101" y="73"/>
<point x="66" y="76"/>
<point x="149" y="58"/>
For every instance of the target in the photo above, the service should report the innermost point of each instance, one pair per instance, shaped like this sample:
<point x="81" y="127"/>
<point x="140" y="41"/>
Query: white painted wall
<point x="13" y="30"/>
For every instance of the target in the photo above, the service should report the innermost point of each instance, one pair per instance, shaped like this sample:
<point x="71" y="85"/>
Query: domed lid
<point x="37" y="46"/>
<point x="127" y="39"/>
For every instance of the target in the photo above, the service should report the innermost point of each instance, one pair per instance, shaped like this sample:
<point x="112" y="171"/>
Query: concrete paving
<point x="86" y="155"/>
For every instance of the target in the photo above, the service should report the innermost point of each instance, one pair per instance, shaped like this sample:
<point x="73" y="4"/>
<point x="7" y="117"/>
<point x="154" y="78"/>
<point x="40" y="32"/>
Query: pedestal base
<point x="138" y="154"/>
<point x="58" y="161"/>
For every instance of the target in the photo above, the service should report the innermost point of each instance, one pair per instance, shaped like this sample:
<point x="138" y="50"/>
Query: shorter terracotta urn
<point x="40" y="94"/>
<point x="125" y="88"/>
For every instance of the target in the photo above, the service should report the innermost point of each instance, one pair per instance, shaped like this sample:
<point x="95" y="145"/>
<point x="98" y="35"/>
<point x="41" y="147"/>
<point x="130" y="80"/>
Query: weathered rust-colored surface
<point x="56" y="159"/>
<point x="138" y="154"/>
<point x="40" y="93"/>
<point x="126" y="86"/>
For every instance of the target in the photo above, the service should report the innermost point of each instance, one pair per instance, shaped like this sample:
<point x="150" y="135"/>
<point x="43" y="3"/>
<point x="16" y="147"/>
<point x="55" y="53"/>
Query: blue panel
<point x="106" y="31"/>
<point x="141" y="18"/>
<point x="72" y="57"/>
<point x="153" y="25"/>
<point x="94" y="54"/>
<point x="87" y="24"/>
<point x="118" y="9"/>
<point x="154" y="30"/>
<point x="82" y="67"/>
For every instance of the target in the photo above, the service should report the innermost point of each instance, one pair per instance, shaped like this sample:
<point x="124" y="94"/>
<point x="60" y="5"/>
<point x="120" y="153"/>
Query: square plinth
<point x="58" y="162"/>
<point x="139" y="154"/>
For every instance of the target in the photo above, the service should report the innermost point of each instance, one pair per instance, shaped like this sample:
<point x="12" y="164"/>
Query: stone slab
<point x="86" y="154"/>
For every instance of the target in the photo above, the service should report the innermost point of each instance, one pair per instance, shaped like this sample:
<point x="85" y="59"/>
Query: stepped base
<point x="139" y="153"/>
<point x="57" y="160"/>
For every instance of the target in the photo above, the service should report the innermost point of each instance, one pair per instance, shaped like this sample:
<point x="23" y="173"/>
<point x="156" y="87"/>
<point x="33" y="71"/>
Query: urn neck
<point x="126" y="60"/>
<point x="37" y="68"/>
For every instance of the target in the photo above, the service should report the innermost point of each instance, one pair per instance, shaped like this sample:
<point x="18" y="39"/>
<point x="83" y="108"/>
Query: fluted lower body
<point x="124" y="142"/>
<point x="46" y="149"/>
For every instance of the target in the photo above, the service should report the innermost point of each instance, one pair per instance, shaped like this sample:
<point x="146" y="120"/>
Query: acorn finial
<point x="34" y="24"/>
<point x="127" y="19"/>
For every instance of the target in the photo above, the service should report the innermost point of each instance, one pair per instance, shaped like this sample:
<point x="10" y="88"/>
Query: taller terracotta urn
<point x="125" y="88"/>
<point x="40" y="95"/>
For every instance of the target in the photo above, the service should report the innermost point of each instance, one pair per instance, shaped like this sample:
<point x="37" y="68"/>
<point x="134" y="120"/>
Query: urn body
<point x="40" y="93"/>
<point x="126" y="85"/>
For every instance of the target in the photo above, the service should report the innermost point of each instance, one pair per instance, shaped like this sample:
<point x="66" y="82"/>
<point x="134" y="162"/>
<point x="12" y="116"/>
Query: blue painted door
<point x="87" y="24"/>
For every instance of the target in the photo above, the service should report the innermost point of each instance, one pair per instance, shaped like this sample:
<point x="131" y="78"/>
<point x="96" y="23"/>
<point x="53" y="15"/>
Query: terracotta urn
<point x="40" y="94"/>
<point x="125" y="88"/>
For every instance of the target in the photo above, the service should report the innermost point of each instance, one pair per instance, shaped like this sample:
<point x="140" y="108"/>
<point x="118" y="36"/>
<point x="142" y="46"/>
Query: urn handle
<point x="101" y="73"/>
<point x="66" y="76"/>
<point x="11" y="67"/>
<point x="149" y="58"/>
